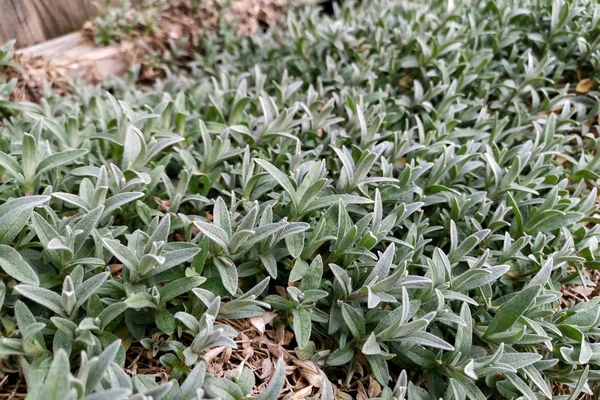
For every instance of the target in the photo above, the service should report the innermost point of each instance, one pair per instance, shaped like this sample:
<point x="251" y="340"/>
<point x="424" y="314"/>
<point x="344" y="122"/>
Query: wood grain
<point x="34" y="21"/>
<point x="74" y="54"/>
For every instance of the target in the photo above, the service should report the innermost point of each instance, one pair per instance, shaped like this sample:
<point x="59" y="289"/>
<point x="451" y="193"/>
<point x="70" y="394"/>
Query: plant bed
<point x="395" y="201"/>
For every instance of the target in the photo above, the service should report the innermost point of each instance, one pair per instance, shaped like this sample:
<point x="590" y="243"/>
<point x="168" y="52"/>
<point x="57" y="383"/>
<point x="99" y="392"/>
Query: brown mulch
<point x="34" y="75"/>
<point x="12" y="385"/>
<point x="262" y="340"/>
<point x="573" y="294"/>
<point x="260" y="344"/>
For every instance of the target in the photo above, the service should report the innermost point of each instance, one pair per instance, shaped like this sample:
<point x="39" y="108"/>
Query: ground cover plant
<point x="404" y="191"/>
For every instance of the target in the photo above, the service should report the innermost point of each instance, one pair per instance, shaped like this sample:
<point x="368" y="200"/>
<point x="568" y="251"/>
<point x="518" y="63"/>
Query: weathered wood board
<point x="34" y="21"/>
<point x="75" y="54"/>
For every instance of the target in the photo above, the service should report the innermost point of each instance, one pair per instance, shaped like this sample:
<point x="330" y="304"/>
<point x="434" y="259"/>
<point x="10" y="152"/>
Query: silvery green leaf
<point x="30" y="157"/>
<point x="89" y="287"/>
<point x="158" y="392"/>
<point x="541" y="278"/>
<point x="99" y="365"/>
<point x="302" y="326"/>
<point x="270" y="264"/>
<point x="455" y="391"/>
<point x="244" y="379"/>
<point x="221" y="216"/>
<point x="313" y="276"/>
<point x="467" y="245"/>
<point x="162" y="144"/>
<point x="118" y="200"/>
<point x="160" y="234"/>
<point x="56" y="384"/>
<point x="340" y="356"/>
<point x="189" y="321"/>
<point x="295" y="244"/>
<point x="45" y="297"/>
<point x="262" y="232"/>
<point x="148" y="263"/>
<point x="298" y="271"/>
<point x="110" y="313"/>
<point x="328" y="201"/>
<point x="72" y="199"/>
<point x="239" y="238"/>
<point x="521" y="386"/>
<point x="65" y="325"/>
<point x="354" y="321"/>
<point x="279" y="302"/>
<point x="223" y="389"/>
<point x="279" y="177"/>
<point x="382" y="268"/>
<point x="535" y="376"/>
<point x="475" y="278"/>
<point x="56" y="160"/>
<point x="15" y="213"/>
<point x="14" y="265"/>
<point x="215" y="233"/>
<point x="468" y="370"/>
<point x="179" y="287"/>
<point x="141" y="300"/>
<point x="193" y="382"/>
<point x="371" y="347"/>
<point x="25" y="323"/>
<point x="86" y="225"/>
<point x="471" y="389"/>
<point x="552" y="220"/>
<point x="519" y="360"/>
<point x="228" y="272"/>
<point x="463" y="339"/>
<point x="123" y="254"/>
<point x="10" y="164"/>
<point x="451" y="295"/>
<point x="510" y="312"/>
<point x="133" y="147"/>
<point x="2" y="293"/>
<point x="429" y="340"/>
<point x="175" y="258"/>
<point x="379" y="367"/>
<point x="43" y="229"/>
<point x="114" y="394"/>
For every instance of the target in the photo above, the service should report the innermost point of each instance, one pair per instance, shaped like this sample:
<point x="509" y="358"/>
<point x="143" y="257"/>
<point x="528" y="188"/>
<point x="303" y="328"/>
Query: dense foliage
<point x="418" y="176"/>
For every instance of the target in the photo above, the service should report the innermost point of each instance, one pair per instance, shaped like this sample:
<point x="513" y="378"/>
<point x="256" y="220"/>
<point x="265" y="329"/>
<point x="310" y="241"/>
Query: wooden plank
<point x="34" y="21"/>
<point x="75" y="54"/>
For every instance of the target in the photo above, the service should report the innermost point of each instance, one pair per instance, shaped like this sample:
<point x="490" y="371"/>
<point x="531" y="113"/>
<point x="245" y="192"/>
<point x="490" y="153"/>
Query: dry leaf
<point x="266" y="369"/>
<point x="400" y="162"/>
<point x="374" y="388"/>
<point x="212" y="353"/>
<point x="362" y="393"/>
<point x="163" y="205"/>
<point x="302" y="393"/>
<point x="281" y="291"/>
<point x="343" y="396"/>
<point x="114" y="268"/>
<point x="310" y="371"/>
<point x="260" y="322"/>
<point x="584" y="85"/>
